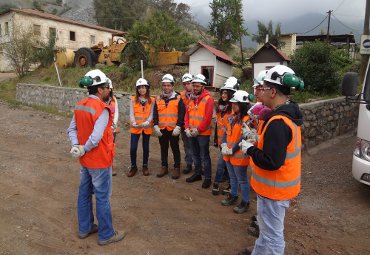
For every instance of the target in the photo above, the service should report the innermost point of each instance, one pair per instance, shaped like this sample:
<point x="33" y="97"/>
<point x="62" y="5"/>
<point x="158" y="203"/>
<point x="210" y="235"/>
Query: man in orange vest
<point x="198" y="128"/>
<point x="276" y="159"/>
<point x="186" y="96"/>
<point x="91" y="136"/>
<point x="168" y="117"/>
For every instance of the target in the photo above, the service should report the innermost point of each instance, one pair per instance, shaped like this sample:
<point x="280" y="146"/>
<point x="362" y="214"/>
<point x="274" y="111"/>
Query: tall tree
<point x="273" y="37"/>
<point x="180" y="12"/>
<point x="227" y="21"/>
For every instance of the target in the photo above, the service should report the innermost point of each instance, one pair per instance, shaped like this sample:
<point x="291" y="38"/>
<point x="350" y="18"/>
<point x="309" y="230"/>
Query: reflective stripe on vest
<point x="196" y="114"/>
<point x="167" y="115"/>
<point x="283" y="183"/>
<point x="86" y="109"/>
<point x="141" y="115"/>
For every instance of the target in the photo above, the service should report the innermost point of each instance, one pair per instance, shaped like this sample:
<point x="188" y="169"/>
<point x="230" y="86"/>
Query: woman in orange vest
<point x="223" y="112"/>
<point x="236" y="161"/>
<point x="113" y="105"/>
<point x="141" y="123"/>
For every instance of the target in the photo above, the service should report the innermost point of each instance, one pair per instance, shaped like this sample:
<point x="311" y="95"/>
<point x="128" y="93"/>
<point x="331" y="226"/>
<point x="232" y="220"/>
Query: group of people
<point x="265" y="136"/>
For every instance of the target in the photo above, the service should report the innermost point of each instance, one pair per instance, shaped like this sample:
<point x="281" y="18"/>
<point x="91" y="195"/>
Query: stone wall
<point x="323" y="120"/>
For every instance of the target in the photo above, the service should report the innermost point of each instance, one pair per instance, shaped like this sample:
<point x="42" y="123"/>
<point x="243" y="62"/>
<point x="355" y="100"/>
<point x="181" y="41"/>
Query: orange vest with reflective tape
<point x="141" y="114"/>
<point x="196" y="114"/>
<point x="86" y="113"/>
<point x="221" y="123"/>
<point x="167" y="115"/>
<point x="284" y="183"/>
<point x="233" y="135"/>
<point x="184" y="98"/>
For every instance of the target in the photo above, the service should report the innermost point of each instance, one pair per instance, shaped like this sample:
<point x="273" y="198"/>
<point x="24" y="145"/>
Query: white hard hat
<point x="275" y="74"/>
<point x="231" y="83"/>
<point x="142" y="82"/>
<point x="260" y="77"/>
<point x="168" y="78"/>
<point x="97" y="76"/>
<point x="110" y="83"/>
<point x="240" y="96"/>
<point x="187" y="77"/>
<point x="199" y="78"/>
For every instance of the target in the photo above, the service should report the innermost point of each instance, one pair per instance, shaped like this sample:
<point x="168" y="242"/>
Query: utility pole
<point x="364" y="57"/>
<point x="328" y="31"/>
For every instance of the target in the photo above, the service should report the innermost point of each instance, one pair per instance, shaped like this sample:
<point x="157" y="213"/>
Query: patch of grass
<point x="8" y="91"/>
<point x="307" y="96"/>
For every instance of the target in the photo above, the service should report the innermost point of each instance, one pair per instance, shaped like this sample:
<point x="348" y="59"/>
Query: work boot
<point x="163" y="172"/>
<point x="253" y="231"/>
<point x="132" y="171"/>
<point x="187" y="170"/>
<point x="229" y="200"/>
<point x="145" y="170"/>
<point x="226" y="190"/>
<point x="242" y="207"/>
<point x="215" y="189"/>
<point x="194" y="178"/>
<point x="176" y="173"/>
<point x="206" y="183"/>
<point x="247" y="251"/>
<point x="118" y="236"/>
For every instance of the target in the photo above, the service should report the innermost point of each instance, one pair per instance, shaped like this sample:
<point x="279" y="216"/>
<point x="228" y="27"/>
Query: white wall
<point x="258" y="67"/>
<point x="201" y="57"/>
<point x="223" y="72"/>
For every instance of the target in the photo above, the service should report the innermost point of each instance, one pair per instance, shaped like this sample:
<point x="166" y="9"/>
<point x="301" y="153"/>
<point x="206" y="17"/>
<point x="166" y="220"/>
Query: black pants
<point x="164" y="141"/>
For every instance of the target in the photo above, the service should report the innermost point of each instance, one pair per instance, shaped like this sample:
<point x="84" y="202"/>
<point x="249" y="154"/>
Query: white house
<point x="214" y="64"/>
<point x="68" y="33"/>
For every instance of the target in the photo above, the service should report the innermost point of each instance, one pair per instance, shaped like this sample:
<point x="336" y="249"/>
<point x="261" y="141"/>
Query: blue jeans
<point x="270" y="216"/>
<point x="238" y="177"/>
<point x="187" y="148"/>
<point x="200" y="146"/>
<point x="221" y="167"/>
<point x="98" y="182"/>
<point x="133" y="148"/>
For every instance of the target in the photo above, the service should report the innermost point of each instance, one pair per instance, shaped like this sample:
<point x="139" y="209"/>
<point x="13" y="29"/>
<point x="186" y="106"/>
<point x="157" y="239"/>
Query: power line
<point x="345" y="25"/>
<point x="339" y="5"/>
<point x="316" y="26"/>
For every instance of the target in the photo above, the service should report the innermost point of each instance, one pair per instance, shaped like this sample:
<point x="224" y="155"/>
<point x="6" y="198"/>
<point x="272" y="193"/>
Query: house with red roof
<point x="214" y="64"/>
<point x="267" y="57"/>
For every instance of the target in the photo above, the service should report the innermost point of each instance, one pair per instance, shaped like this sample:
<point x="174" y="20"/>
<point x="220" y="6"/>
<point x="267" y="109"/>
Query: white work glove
<point x="157" y="130"/>
<point x="252" y="136"/>
<point x="245" y="130"/>
<point x="188" y="133"/>
<point x="114" y="126"/>
<point x="226" y="151"/>
<point x="135" y="125"/>
<point x="77" y="151"/>
<point x="145" y="124"/>
<point x="245" y="145"/>
<point x="223" y="145"/>
<point x="194" y="132"/>
<point x="176" y="131"/>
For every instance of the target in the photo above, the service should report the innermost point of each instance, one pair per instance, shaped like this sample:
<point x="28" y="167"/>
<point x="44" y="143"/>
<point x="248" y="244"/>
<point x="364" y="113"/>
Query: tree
<point x="321" y="66"/>
<point x="161" y="32"/>
<point x="44" y="53"/>
<point x="20" y="49"/>
<point x="180" y="12"/>
<point x="263" y="30"/>
<point x="227" y="21"/>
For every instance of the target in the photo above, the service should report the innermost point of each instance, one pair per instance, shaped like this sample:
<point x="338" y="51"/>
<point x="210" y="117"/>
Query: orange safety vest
<point x="196" y="114"/>
<point x="184" y="98"/>
<point x="232" y="137"/>
<point x="221" y="123"/>
<point x="167" y="115"/>
<point x="260" y="126"/>
<point x="141" y="114"/>
<point x="285" y="182"/>
<point x="86" y="113"/>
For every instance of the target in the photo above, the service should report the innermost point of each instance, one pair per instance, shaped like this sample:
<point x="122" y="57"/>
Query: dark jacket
<point x="180" y="114"/>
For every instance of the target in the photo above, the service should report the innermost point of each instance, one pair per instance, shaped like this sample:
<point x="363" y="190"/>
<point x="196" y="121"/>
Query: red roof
<point x="49" y="16"/>
<point x="266" y="45"/>
<point x="214" y="51"/>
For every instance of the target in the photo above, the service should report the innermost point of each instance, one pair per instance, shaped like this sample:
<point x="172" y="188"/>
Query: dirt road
<point x="38" y="194"/>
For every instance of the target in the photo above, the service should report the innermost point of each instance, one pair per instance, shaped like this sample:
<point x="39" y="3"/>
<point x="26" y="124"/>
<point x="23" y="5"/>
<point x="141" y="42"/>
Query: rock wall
<point x="323" y="120"/>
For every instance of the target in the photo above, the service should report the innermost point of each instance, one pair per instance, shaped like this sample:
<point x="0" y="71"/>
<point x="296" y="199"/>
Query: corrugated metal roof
<point x="49" y="16"/>
<point x="214" y="51"/>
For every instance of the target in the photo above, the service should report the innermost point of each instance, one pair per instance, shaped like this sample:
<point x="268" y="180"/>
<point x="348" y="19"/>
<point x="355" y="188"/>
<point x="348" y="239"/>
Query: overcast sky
<point x="347" y="11"/>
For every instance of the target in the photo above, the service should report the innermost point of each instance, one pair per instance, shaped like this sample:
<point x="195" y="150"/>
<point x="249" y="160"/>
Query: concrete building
<point x="68" y="33"/>
<point x="214" y="64"/>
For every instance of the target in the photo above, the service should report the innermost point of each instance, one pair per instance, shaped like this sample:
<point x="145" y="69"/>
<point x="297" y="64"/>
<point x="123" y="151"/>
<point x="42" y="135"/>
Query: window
<point x="6" y="28"/>
<point x="36" y="29"/>
<point x="208" y="71"/>
<point x="52" y="33"/>
<point x="72" y="35"/>
<point x="92" y="39"/>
